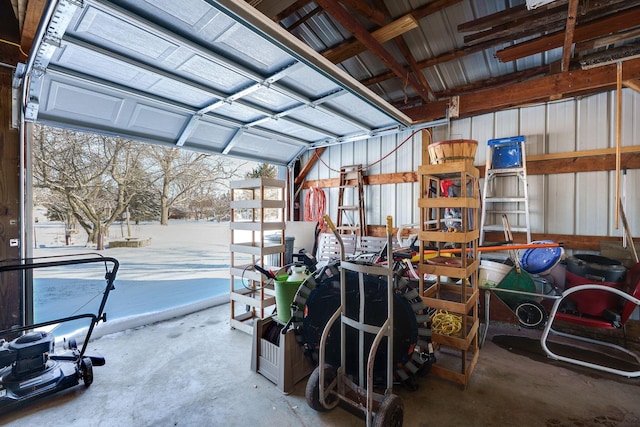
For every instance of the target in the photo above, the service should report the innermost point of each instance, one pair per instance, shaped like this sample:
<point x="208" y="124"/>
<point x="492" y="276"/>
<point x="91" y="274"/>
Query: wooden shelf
<point x="257" y="209"/>
<point x="457" y="294"/>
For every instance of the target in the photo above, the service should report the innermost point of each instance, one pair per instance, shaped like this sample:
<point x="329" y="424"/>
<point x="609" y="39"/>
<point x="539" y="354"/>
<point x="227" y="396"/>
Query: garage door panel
<point x="64" y="99"/>
<point x="210" y="75"/>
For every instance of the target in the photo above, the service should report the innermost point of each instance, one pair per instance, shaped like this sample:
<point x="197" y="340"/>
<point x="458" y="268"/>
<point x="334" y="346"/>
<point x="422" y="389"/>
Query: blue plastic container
<point x="506" y="152"/>
<point x="541" y="260"/>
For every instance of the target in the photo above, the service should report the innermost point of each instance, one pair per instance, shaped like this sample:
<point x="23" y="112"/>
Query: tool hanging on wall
<point x="315" y="204"/>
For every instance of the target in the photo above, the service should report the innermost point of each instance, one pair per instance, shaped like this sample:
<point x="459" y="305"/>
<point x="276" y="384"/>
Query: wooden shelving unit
<point x="257" y="210"/>
<point x="455" y="287"/>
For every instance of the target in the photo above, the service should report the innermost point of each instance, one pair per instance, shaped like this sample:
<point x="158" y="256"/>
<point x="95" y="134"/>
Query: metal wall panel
<point x="561" y="127"/>
<point x="594" y="122"/>
<point x="567" y="203"/>
<point x="592" y="199"/>
<point x="531" y="120"/>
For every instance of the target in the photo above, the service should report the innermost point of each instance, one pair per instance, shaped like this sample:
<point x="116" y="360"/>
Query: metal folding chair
<point x="608" y="320"/>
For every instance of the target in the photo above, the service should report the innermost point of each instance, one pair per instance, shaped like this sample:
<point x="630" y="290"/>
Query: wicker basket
<point x="452" y="150"/>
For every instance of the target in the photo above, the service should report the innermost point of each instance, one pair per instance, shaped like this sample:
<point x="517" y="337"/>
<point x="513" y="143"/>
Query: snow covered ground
<point x="184" y="268"/>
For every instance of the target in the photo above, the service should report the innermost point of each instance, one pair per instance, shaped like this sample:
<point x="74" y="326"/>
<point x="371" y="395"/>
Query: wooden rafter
<point x="352" y="48"/>
<point x="341" y="15"/>
<point x="302" y="175"/>
<point x="572" y="83"/>
<point x="31" y="21"/>
<point x="507" y="16"/>
<point x="293" y="8"/>
<point x="632" y="84"/>
<point x="551" y="20"/>
<point x="495" y="82"/>
<point x="541" y="164"/>
<point x="413" y="64"/>
<point x="599" y="27"/>
<point x="568" y="34"/>
<point x="608" y="40"/>
<point x="305" y="18"/>
<point x="445" y="57"/>
<point x="376" y="16"/>
<point x="349" y="49"/>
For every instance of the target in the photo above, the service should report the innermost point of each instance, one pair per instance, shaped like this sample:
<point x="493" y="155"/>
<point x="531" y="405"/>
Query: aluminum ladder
<point x="351" y="218"/>
<point x="505" y="187"/>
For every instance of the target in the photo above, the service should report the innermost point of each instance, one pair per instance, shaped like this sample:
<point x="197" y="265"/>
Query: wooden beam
<point x="349" y="49"/>
<point x="9" y="31"/>
<point x="495" y="41"/>
<point x="304" y="18"/>
<point x="270" y="8"/>
<point x="365" y="9"/>
<point x="449" y="56"/>
<point x="495" y="82"/>
<point x="605" y="41"/>
<point x="582" y="153"/>
<point x="568" y="35"/>
<point x="413" y="64"/>
<point x="543" y="89"/>
<point x="553" y="20"/>
<point x="572" y="83"/>
<point x="568" y="241"/>
<point x="35" y="9"/>
<point x="507" y="16"/>
<point x="432" y="7"/>
<point x="317" y="153"/>
<point x="599" y="27"/>
<point x="355" y="47"/>
<point x="582" y="164"/>
<point x="618" y="139"/>
<point x="632" y="84"/>
<point x="367" y="39"/>
<point x="541" y="164"/>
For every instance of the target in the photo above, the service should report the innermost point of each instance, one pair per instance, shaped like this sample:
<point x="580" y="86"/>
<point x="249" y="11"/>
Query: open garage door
<point x="211" y="76"/>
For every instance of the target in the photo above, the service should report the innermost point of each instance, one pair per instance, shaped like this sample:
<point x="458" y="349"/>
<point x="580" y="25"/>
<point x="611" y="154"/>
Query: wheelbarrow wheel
<point x="531" y="314"/>
<point x="390" y="412"/>
<point x="312" y="392"/>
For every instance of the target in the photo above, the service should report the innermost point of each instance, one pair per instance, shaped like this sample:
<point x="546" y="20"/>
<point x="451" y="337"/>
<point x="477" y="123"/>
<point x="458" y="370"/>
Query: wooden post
<point x="426" y="140"/>
<point x="618" y="136"/>
<point x="11" y="283"/>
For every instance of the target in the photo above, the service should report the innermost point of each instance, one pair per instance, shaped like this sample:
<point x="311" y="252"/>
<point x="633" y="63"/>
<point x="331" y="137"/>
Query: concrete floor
<point x="195" y="371"/>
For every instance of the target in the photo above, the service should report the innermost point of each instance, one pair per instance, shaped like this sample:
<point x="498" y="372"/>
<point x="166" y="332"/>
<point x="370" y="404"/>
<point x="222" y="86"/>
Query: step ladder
<point x="351" y="201"/>
<point x="505" y="187"/>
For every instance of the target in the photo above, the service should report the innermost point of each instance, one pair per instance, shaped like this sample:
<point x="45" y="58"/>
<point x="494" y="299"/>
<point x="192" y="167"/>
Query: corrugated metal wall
<point x="568" y="203"/>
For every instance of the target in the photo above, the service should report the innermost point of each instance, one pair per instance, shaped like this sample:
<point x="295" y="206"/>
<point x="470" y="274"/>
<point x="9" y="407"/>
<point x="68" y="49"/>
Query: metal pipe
<point x="24" y="155"/>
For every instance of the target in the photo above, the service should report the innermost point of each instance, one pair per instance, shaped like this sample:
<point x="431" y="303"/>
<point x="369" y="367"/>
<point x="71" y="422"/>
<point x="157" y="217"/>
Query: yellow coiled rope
<point x="445" y="323"/>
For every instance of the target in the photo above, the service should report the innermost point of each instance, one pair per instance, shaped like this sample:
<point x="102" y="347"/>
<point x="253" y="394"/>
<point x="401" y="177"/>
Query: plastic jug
<point x="298" y="273"/>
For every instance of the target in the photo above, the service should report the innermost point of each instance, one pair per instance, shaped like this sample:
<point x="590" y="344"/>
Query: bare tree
<point x="185" y="174"/>
<point x="221" y="206"/>
<point x="95" y="175"/>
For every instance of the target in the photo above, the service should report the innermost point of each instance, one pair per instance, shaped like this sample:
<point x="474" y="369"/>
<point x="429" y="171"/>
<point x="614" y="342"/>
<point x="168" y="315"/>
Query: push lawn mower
<point x="29" y="366"/>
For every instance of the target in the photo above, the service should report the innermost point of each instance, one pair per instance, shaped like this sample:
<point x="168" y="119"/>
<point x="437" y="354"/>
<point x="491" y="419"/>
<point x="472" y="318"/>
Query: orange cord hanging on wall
<point x="314" y="206"/>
